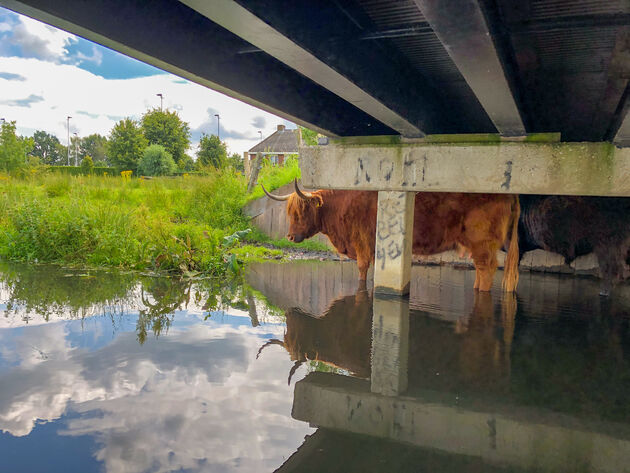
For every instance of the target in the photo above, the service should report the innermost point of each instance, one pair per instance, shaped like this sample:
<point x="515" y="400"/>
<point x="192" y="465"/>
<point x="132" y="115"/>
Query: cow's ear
<point x="318" y="200"/>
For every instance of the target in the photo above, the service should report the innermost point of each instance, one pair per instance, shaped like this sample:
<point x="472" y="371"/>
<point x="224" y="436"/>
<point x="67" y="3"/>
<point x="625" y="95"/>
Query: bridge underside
<point x="502" y="96"/>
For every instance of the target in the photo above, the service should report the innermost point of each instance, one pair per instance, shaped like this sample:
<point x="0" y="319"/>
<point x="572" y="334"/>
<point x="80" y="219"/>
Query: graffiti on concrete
<point x="390" y="227"/>
<point x="367" y="170"/>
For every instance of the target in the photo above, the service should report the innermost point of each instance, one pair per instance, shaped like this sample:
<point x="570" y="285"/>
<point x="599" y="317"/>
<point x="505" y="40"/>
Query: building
<point x="276" y="147"/>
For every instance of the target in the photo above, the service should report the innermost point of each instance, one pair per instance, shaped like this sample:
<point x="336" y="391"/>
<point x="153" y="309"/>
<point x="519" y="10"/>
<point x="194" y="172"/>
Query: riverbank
<point x="185" y="225"/>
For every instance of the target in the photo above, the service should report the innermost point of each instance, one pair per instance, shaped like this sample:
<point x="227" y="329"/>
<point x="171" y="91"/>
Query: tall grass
<point x="166" y="224"/>
<point x="273" y="177"/>
<point x="162" y="224"/>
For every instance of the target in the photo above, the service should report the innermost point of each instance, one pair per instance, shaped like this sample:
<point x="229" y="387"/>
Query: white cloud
<point x="41" y="41"/>
<point x="196" y="399"/>
<point x="67" y="90"/>
<point x="96" y="57"/>
<point x="4" y="27"/>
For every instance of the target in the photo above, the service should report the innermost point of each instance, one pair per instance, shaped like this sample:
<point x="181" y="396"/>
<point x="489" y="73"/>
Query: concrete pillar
<point x="390" y="345"/>
<point x="394" y="232"/>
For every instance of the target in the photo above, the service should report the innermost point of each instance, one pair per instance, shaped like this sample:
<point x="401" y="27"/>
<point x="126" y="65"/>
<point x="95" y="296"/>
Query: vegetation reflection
<point x="54" y="293"/>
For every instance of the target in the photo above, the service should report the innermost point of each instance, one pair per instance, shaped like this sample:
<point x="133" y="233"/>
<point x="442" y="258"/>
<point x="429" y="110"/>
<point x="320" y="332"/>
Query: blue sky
<point x="47" y="74"/>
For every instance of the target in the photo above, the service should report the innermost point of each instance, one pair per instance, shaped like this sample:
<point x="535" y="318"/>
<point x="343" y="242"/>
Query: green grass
<point x="163" y="224"/>
<point x="256" y="253"/>
<point x="256" y="236"/>
<point x="160" y="224"/>
<point x="273" y="177"/>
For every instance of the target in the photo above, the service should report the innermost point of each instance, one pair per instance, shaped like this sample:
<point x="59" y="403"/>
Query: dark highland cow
<point x="475" y="223"/>
<point x="574" y="226"/>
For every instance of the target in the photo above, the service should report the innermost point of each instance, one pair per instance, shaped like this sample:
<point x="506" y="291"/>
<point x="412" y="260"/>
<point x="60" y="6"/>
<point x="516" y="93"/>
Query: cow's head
<point x="310" y="337"/>
<point x="303" y="209"/>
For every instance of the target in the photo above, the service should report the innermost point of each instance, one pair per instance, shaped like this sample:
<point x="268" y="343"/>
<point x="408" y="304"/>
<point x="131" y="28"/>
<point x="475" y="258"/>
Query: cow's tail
<point x="510" y="271"/>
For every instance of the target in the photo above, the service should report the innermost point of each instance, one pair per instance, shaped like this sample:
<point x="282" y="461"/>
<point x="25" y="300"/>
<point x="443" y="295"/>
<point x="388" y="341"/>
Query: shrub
<point x="87" y="165"/>
<point x="156" y="161"/>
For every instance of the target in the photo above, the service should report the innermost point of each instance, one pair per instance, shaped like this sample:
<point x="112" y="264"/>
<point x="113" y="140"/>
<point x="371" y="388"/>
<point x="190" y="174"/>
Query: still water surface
<point x="111" y="372"/>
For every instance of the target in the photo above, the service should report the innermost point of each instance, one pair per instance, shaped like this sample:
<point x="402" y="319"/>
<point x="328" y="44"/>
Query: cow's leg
<point x="394" y="233"/>
<point x="484" y="255"/>
<point x="363" y="264"/>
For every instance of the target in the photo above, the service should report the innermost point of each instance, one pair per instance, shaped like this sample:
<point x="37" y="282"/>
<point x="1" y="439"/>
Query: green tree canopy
<point x="13" y="149"/>
<point x="95" y="146"/>
<point x="156" y="161"/>
<point x="211" y="151"/>
<point x="126" y="145"/>
<point x="48" y="148"/>
<point x="235" y="161"/>
<point x="167" y="129"/>
<point x="186" y="164"/>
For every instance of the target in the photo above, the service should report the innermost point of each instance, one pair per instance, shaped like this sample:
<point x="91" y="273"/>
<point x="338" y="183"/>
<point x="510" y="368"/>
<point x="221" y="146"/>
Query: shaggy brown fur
<point x="479" y="223"/>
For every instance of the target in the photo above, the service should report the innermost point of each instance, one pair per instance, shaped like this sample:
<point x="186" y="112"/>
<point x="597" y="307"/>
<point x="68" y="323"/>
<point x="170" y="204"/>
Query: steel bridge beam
<point x="461" y="27"/>
<point x="356" y="71"/>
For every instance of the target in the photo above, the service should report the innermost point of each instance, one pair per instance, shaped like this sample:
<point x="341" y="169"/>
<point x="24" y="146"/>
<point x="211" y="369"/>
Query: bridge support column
<point x="394" y="232"/>
<point x="390" y="346"/>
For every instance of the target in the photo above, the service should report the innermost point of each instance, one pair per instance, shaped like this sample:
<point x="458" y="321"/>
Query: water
<point x="296" y="368"/>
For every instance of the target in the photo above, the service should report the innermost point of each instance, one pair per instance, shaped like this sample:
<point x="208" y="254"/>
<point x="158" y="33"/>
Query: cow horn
<point x="275" y="197"/>
<point x="303" y="195"/>
<point x="273" y="341"/>
<point x="294" y="368"/>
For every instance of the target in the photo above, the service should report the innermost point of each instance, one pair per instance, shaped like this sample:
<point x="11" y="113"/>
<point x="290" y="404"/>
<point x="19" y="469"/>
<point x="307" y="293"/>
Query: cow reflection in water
<point x="485" y="340"/>
<point x="342" y="338"/>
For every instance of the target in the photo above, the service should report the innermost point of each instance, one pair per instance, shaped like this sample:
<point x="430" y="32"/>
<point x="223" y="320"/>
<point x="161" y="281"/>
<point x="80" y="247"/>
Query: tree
<point x="186" y="164"/>
<point x="13" y="149"/>
<point x="126" y="145"/>
<point x="95" y="146"/>
<point x="48" y="148"/>
<point x="156" y="161"/>
<point x="235" y="161"/>
<point x="211" y="151"/>
<point x="87" y="165"/>
<point x="167" y="129"/>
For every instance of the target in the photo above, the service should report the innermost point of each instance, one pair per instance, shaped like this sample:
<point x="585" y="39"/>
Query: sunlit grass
<point x="273" y="177"/>
<point x="161" y="224"/>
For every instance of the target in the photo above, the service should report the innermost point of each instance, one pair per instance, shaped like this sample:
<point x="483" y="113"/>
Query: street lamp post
<point x="161" y="99"/>
<point x="68" y="150"/>
<point x="76" y="154"/>
<point x="218" y="129"/>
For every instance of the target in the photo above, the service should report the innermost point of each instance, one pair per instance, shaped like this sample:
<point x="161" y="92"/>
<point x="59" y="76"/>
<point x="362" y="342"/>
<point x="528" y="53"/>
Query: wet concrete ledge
<point x="537" y="260"/>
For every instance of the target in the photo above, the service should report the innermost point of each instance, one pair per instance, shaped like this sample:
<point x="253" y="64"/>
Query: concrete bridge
<point x="506" y="96"/>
